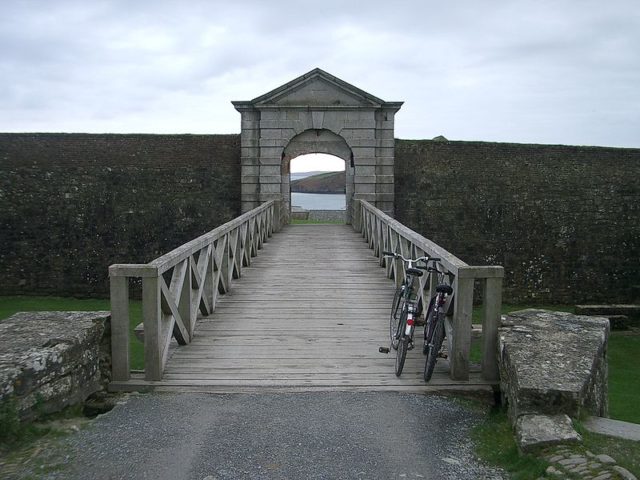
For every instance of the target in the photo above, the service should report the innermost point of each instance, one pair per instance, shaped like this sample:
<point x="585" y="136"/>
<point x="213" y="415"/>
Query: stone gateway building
<point x="564" y="221"/>
<point x="317" y="113"/>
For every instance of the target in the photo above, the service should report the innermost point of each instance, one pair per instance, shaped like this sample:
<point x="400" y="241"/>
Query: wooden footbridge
<point x="251" y="306"/>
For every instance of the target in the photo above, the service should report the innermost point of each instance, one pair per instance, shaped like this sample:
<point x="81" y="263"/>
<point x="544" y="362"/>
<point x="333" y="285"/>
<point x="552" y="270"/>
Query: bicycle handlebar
<point x="412" y="260"/>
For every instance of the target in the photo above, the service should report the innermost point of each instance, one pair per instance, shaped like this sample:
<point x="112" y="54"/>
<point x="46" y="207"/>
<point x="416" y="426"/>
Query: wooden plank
<point x="461" y="337"/>
<point x="151" y="316"/>
<point x="491" y="309"/>
<point x="119" y="328"/>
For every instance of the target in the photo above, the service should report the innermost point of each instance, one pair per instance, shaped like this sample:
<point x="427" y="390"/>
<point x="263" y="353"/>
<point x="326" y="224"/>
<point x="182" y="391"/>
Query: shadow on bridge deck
<point x="309" y="314"/>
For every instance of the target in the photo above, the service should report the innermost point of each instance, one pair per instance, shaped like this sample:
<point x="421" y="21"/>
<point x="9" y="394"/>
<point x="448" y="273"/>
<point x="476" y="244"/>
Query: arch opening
<point x="318" y="187"/>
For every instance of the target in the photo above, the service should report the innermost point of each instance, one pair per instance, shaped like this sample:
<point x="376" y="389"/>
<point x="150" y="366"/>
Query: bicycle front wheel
<point x="429" y="325"/>
<point x="433" y="348"/>
<point x="396" y="313"/>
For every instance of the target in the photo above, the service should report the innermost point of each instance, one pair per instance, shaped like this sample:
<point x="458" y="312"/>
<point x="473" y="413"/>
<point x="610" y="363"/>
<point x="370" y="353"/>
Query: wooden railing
<point x="383" y="233"/>
<point x="176" y="287"/>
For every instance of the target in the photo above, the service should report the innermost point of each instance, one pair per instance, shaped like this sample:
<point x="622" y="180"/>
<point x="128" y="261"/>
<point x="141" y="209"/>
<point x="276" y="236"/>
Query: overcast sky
<point x="564" y="72"/>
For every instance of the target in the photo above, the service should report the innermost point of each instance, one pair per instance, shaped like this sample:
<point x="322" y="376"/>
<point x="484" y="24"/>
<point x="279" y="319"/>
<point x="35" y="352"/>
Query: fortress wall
<point x="564" y="221"/>
<point x="72" y="204"/>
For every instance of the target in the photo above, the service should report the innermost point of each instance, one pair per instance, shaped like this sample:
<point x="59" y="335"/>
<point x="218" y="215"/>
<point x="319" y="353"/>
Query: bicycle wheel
<point x="401" y="355"/>
<point x="429" y="325"/>
<point x="394" y="319"/>
<point x="433" y="348"/>
<point x="403" y="343"/>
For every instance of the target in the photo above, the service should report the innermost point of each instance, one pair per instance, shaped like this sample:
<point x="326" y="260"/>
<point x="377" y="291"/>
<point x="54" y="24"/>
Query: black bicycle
<point x="434" y="331"/>
<point x="405" y="309"/>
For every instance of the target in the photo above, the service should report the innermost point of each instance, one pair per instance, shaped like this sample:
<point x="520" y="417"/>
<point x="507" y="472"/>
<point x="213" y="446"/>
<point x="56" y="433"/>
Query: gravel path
<point x="331" y="435"/>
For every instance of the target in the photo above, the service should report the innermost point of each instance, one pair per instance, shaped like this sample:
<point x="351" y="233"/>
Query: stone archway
<point x="343" y="118"/>
<point x="317" y="141"/>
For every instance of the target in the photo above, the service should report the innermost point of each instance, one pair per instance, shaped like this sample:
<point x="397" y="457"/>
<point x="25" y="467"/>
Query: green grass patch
<point x="624" y="452"/>
<point x="295" y="221"/>
<point x="495" y="444"/>
<point x="14" y="304"/>
<point x="26" y="447"/>
<point x="624" y="376"/>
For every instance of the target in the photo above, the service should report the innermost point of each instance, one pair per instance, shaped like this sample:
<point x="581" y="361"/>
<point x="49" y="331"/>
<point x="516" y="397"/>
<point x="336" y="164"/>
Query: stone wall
<point x="50" y="360"/>
<point x="72" y="204"/>
<point x="564" y="221"/>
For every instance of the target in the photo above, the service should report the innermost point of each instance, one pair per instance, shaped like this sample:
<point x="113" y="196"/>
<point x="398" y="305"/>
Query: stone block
<point x="536" y="431"/>
<point x="361" y="187"/>
<point x="272" y="152"/>
<point x="271" y="133"/>
<point x="385" y="188"/>
<point x="552" y="363"/>
<point x="249" y="188"/>
<point x="270" y="188"/>
<point x="274" y="170"/>
<point x="364" y="152"/>
<point x="50" y="360"/>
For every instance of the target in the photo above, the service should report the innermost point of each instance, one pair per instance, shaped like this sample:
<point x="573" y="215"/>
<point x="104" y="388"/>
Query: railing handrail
<point x="450" y="261"/>
<point x="201" y="270"/>
<point x="175" y="256"/>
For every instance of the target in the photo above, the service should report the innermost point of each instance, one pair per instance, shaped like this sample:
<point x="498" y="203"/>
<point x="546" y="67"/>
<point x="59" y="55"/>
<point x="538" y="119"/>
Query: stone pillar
<point x="249" y="158"/>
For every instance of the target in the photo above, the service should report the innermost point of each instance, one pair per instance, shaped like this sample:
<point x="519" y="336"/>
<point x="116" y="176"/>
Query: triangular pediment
<point x="317" y="89"/>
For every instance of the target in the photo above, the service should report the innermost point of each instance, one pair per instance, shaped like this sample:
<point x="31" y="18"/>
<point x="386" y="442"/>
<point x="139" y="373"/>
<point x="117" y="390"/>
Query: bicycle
<point x="405" y="309"/>
<point x="434" y="330"/>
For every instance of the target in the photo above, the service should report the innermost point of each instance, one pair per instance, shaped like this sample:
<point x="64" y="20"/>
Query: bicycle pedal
<point x="410" y="346"/>
<point x="383" y="349"/>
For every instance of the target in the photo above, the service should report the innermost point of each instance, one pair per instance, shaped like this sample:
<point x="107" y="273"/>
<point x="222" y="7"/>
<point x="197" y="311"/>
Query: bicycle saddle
<point x="444" y="288"/>
<point x="414" y="271"/>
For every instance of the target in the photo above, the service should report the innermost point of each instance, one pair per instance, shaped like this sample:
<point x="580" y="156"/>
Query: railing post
<point x="491" y="309"/>
<point x="357" y="215"/>
<point x="187" y="310"/>
<point x="277" y="216"/>
<point x="120" y="363"/>
<point x="462" y="311"/>
<point x="151" y="316"/>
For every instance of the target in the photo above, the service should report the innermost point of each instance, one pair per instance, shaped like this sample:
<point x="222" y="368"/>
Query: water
<point x="319" y="201"/>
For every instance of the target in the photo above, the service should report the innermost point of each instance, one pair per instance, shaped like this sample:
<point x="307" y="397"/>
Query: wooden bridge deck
<point x="309" y="314"/>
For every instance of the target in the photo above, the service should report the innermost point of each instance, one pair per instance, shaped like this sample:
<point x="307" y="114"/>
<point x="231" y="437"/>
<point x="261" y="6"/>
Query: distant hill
<point x="328" y="182"/>
<point x="299" y="175"/>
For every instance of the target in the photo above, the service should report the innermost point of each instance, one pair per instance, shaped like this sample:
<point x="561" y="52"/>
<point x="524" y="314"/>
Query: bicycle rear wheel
<point x="433" y="348"/>
<point x="402" y="343"/>
<point x="401" y="354"/>
<point x="396" y="313"/>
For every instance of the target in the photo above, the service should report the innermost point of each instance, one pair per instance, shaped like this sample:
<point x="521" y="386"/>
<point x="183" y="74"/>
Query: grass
<point x="295" y="221"/>
<point x="624" y="452"/>
<point x="13" y="304"/>
<point x="624" y="375"/>
<point x="25" y="446"/>
<point x="495" y="444"/>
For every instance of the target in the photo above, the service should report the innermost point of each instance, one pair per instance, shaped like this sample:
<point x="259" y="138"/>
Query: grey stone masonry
<point x="535" y="431"/>
<point x="553" y="363"/>
<point x="50" y="360"/>
<point x="317" y="113"/>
